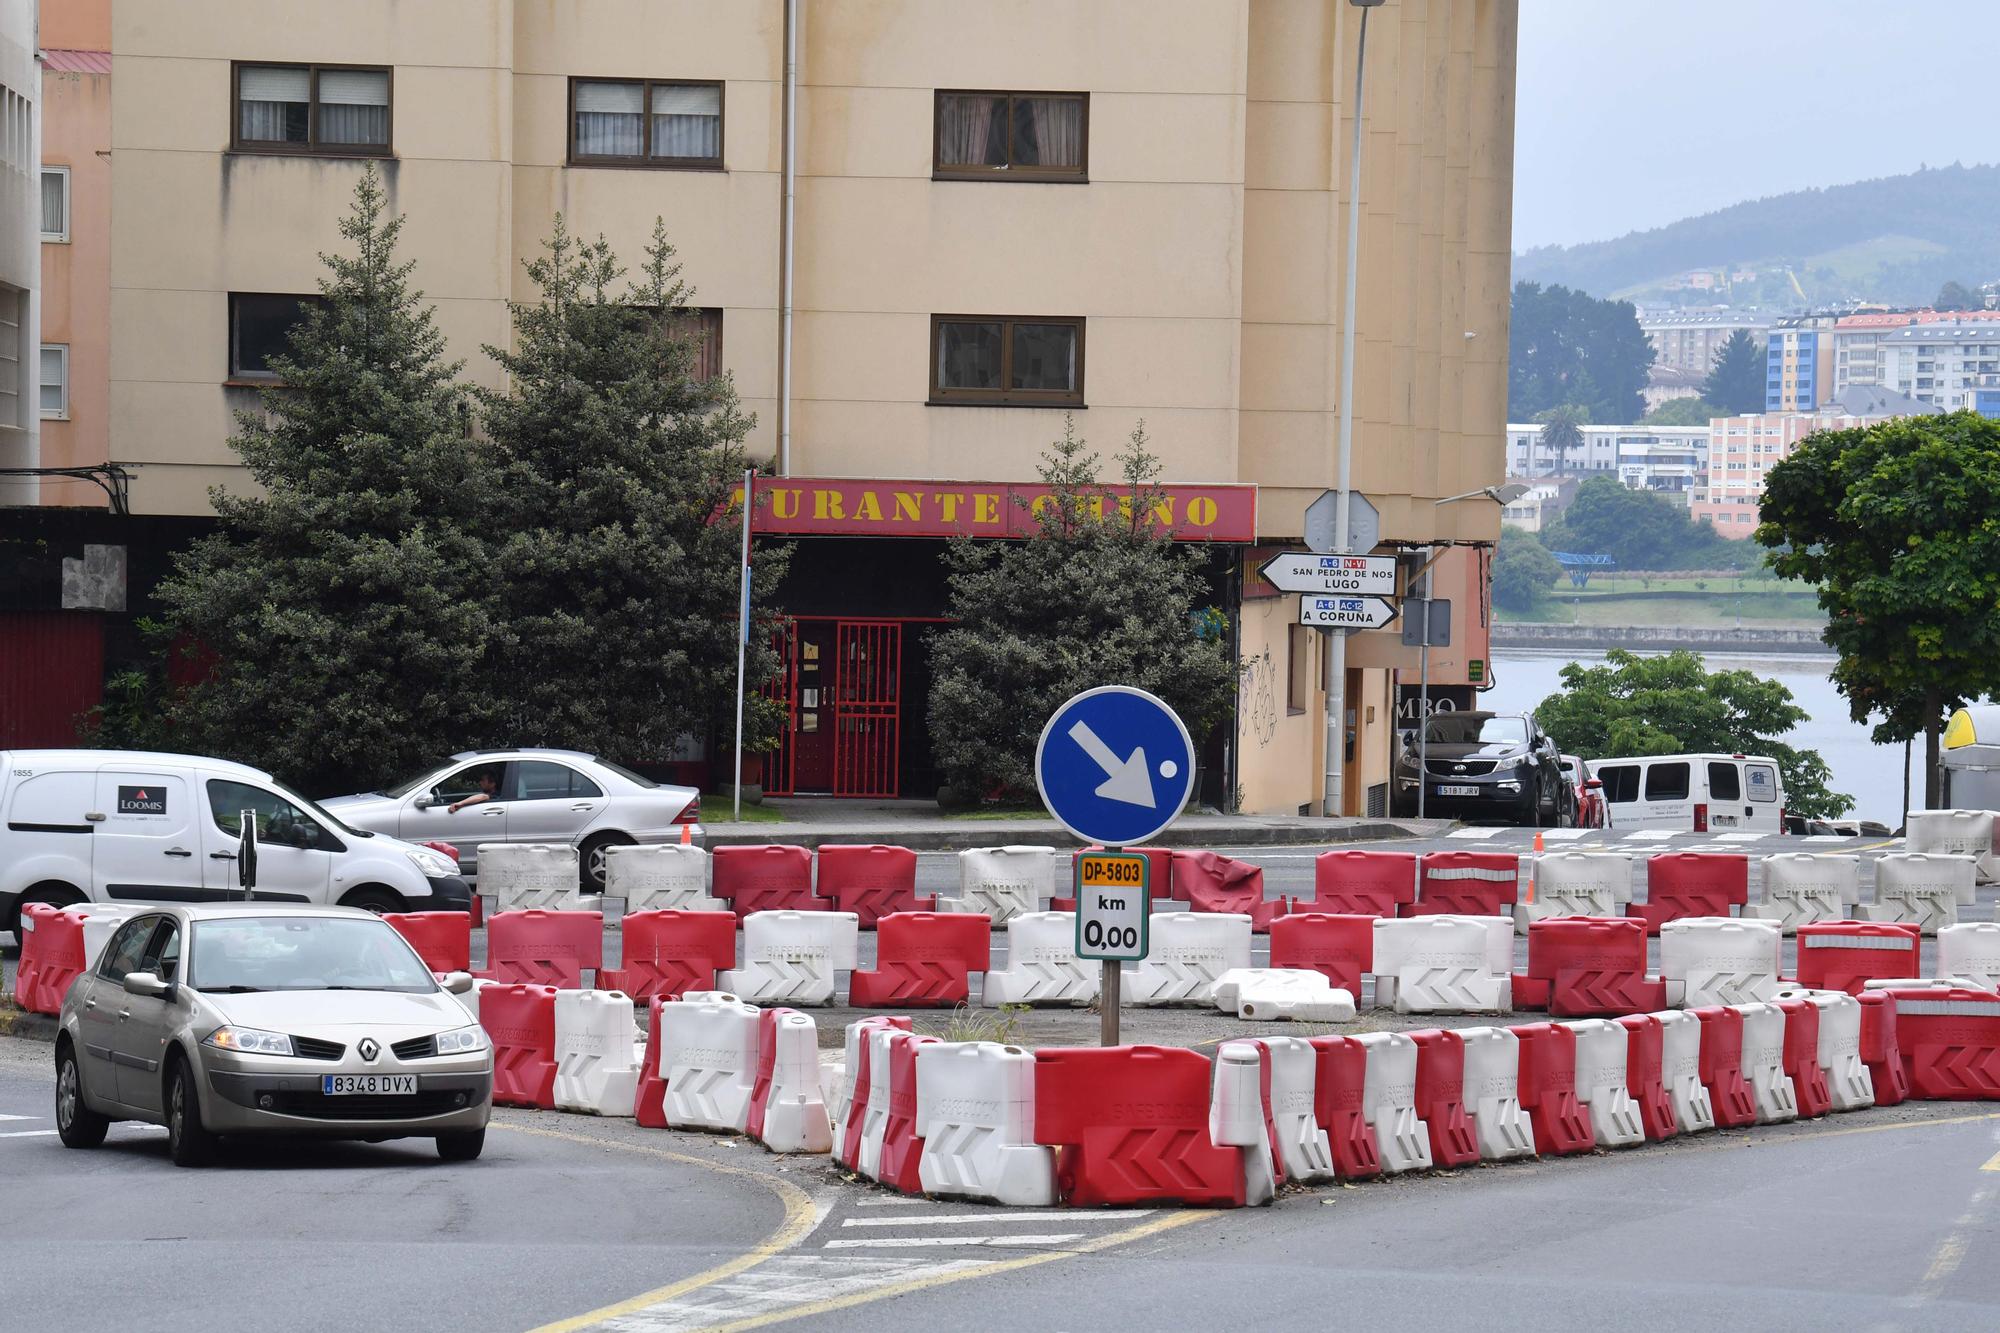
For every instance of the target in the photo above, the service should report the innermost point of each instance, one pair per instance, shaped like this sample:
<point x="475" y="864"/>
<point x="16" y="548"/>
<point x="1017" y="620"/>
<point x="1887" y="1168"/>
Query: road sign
<point x="1427" y="622"/>
<point x="1114" y="765"/>
<point x="1113" y="902"/>
<point x="1364" y="524"/>
<point x="1346" y="612"/>
<point x="1354" y="574"/>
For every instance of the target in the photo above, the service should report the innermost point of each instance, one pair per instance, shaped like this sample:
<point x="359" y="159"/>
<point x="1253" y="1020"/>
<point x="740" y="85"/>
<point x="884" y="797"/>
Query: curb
<point x="976" y="834"/>
<point x="17" y="1022"/>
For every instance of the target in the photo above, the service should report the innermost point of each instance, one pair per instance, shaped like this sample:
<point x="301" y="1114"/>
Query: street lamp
<point x="1500" y="495"/>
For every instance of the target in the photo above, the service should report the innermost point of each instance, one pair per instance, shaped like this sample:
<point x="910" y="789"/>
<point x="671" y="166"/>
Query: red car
<point x="1590" y="808"/>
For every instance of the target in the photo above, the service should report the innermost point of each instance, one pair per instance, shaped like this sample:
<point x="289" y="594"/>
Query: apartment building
<point x="1645" y="458"/>
<point x="1687" y="340"/>
<point x="76" y="253"/>
<point x="1798" y="359"/>
<point x="1942" y="364"/>
<point x="1858" y="340"/>
<point x="20" y="250"/>
<point x="1742" y="450"/>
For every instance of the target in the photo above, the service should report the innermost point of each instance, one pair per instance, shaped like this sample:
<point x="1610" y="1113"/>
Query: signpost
<point x="1114" y="766"/>
<point x="1342" y="521"/>
<point x="1364" y="523"/>
<point x="1328" y="574"/>
<point x="1428" y="625"/>
<point x="1349" y="613"/>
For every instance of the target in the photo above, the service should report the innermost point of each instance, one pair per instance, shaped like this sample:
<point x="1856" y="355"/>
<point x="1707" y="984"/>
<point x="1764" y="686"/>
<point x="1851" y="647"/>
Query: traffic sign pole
<point x="1113" y="911"/>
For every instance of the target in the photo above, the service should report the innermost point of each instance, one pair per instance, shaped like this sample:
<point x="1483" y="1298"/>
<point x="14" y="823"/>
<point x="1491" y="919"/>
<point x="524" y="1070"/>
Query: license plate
<point x="1456" y="791"/>
<point x="368" y="1085"/>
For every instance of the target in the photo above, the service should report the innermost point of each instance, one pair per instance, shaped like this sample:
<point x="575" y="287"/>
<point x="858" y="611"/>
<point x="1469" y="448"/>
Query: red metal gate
<point x="783" y="690"/>
<point x="51" y="672"/>
<point x="867" y="707"/>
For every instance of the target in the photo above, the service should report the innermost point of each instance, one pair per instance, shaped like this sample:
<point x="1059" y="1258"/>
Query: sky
<point x="1632" y="114"/>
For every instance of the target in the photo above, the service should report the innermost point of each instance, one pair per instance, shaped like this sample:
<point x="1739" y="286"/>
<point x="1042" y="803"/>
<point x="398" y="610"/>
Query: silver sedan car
<point x="256" y="1019"/>
<point x="560" y="796"/>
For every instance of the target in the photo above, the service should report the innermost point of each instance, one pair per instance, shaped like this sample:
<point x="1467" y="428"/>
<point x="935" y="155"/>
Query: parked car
<point x="1701" y="793"/>
<point x="1587" y="791"/>
<point x="118" y="826"/>
<point x="537" y="796"/>
<point x="252" y="1019"/>
<point x="1484" y="766"/>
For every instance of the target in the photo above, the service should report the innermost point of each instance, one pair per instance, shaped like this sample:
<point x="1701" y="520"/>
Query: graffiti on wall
<point x="1257" y="698"/>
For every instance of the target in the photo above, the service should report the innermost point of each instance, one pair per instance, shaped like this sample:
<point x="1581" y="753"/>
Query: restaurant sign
<point x="818" y="507"/>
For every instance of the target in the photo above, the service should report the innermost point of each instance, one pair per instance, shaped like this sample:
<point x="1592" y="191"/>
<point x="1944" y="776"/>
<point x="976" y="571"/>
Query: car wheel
<point x="374" y="899"/>
<point x="463" y="1146"/>
<point x="590" y="867"/>
<point x="188" y="1141"/>
<point x="76" y="1124"/>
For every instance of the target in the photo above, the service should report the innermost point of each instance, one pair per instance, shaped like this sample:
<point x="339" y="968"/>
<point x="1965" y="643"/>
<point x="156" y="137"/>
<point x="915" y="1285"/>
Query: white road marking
<point x="960" y="1219"/>
<point x="1741" y="837"/>
<point x="881" y="1203"/>
<point x="1479" y="834"/>
<point x="28" y="1134"/>
<point x="779" y="1284"/>
<point x="20" y="1117"/>
<point x="1654" y="834"/>
<point x="1566" y="834"/>
<point x="915" y="1242"/>
<point x="1827" y="837"/>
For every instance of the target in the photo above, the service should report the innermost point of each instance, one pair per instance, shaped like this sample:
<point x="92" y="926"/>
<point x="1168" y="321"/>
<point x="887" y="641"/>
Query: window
<point x="470" y="781"/>
<point x="1763" y="780"/>
<point x="55" y="203"/>
<point x="312" y="109"/>
<point x="163" y="953"/>
<point x="1667" y="782"/>
<point x="1298" y="669"/>
<point x="12" y="301"/>
<point x="1621" y="782"/>
<point x="55" y="381"/>
<point x="703" y="327"/>
<point x="1723" y="782"/>
<point x="127" y="948"/>
<point x="1007" y="360"/>
<point x="661" y="123"/>
<point x="260" y="328"/>
<point x="544" y="781"/>
<point x="1011" y="136"/>
<point x="278" y="820"/>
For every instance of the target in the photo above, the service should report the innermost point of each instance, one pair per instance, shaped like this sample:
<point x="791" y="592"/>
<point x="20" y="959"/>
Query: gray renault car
<point x="262" y="1019"/>
<point x="1485" y="766"/>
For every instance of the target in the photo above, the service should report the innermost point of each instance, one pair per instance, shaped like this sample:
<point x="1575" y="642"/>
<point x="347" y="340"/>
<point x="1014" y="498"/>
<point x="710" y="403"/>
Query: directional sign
<point x="1346" y="612"/>
<point x="1114" y="765"/>
<point x="1364" y="523"/>
<point x="1360" y="574"/>
<point x="1112" y="905"/>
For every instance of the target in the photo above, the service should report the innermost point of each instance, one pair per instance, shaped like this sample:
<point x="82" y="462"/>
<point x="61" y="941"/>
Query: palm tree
<point x="1562" y="431"/>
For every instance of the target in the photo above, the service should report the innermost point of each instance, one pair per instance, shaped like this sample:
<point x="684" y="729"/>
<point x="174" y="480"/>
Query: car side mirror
<point x="426" y="801"/>
<point x="458" y="983"/>
<point x="1594" y="784"/>
<point x="147" y="984"/>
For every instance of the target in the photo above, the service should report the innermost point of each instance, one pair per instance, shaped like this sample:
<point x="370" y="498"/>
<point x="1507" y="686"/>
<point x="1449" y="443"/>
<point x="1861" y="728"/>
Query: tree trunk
<point x="1932" y="703"/>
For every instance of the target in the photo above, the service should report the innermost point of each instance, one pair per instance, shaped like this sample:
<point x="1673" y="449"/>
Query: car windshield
<point x="625" y="773"/>
<point x="1480" y="728"/>
<point x="409" y="785"/>
<point x="256" y="953"/>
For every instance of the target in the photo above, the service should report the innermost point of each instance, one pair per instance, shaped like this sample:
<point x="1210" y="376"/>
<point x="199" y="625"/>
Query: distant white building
<point x="1545" y="498"/>
<point x="20" y="249"/>
<point x="1645" y="458"/>
<point x="1861" y="342"/>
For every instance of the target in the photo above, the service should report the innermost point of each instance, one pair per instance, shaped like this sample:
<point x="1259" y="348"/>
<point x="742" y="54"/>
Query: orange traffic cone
<point x="1528" y="889"/>
<point x="687" y="834"/>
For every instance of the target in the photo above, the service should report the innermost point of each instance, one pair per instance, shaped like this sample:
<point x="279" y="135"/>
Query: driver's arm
<point x="474" y="799"/>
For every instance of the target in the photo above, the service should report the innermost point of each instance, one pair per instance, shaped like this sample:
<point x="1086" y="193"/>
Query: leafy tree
<point x="1565" y="346"/>
<point x="1955" y="295"/>
<point x="1894" y="524"/>
<point x="1640" y="530"/>
<point x="1098" y="594"/>
<point x="1562" y="432"/>
<point x="347" y="611"/>
<point x="616" y="539"/>
<point x="1523" y="570"/>
<point x="1671" y="704"/>
<point x="1736" y="378"/>
<point x="1687" y="411"/>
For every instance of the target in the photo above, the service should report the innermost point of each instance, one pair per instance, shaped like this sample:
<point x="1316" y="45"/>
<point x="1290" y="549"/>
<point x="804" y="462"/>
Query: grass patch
<point x="999" y="812"/>
<point x="722" y="814"/>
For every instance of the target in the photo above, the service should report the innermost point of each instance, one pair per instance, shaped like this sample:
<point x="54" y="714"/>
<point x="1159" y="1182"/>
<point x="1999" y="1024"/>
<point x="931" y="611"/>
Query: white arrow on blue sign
<point x="1115" y="766"/>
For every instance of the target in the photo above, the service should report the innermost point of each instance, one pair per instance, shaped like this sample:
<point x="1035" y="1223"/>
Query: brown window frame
<point x="311" y="147"/>
<point x="1003" y="396"/>
<point x="941" y="171"/>
<point x="716" y="163"/>
<point x="257" y="378"/>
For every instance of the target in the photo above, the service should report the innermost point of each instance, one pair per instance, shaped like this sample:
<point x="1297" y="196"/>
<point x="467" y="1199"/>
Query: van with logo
<point x="1697" y="793"/>
<point x="118" y="827"/>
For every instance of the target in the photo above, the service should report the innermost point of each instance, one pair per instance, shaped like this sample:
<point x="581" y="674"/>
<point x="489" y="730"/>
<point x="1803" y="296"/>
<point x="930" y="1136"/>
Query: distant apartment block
<point x="1742" y="451"/>
<point x="1858" y="342"/>
<point x="1645" y="458"/>
<point x="1798" y="364"/>
<point x="1688" y="340"/>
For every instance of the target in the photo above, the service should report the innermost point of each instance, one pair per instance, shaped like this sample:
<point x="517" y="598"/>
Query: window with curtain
<point x="652" y="123"/>
<point x="55" y="203"/>
<point x="260" y="328"/>
<point x="312" y="108"/>
<point x="991" y="135"/>
<point x="55" y="381"/>
<point x="1007" y="360"/>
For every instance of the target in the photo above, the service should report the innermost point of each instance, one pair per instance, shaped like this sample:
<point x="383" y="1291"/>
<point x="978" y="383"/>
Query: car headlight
<point x="250" y="1041"/>
<point x="432" y="865"/>
<point x="461" y="1041"/>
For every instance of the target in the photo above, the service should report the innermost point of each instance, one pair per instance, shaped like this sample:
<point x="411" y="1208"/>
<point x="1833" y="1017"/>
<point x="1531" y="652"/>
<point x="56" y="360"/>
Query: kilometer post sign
<point x="1113" y="902"/>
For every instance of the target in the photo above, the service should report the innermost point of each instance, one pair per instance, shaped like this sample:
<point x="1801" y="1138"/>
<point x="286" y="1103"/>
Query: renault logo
<point x="369" y="1050"/>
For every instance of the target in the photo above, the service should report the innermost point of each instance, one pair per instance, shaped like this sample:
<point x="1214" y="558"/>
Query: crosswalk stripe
<point x="28" y="1134"/>
<point x="1566" y="834"/>
<point x="1475" y="833"/>
<point x="20" y="1117"/>
<point x="953" y="1219"/>
<point x="914" y="1242"/>
<point x="1740" y="837"/>
<point x="1654" y="834"/>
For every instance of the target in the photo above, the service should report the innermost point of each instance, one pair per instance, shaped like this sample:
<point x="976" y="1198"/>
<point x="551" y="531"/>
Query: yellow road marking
<point x="1992" y="1163"/>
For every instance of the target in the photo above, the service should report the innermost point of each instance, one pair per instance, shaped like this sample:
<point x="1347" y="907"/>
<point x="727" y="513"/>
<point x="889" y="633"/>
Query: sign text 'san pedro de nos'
<point x="812" y="506"/>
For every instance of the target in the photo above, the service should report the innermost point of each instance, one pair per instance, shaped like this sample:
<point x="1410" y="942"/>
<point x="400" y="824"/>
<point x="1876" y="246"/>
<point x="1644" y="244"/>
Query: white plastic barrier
<point x="792" y="956"/>
<point x="471" y="998"/>
<point x="100" y="923"/>
<point x="1847" y="1078"/>
<point x="597" y="1069"/>
<point x="1573" y="883"/>
<point x="976" y="1116"/>
<point x="1954" y="832"/>
<point x="1444" y="964"/>
<point x="795" y="1118"/>
<point x="1721" y="960"/>
<point x="521" y="875"/>
<point x="1680" y="1071"/>
<point x="1601" y="1083"/>
<point x="708" y="1057"/>
<point x="1302" y="1143"/>
<point x="875" y="1120"/>
<point x="1003" y="882"/>
<point x="1971" y="949"/>
<point x="1801" y="888"/>
<point x="1042" y="966"/>
<point x="1389" y="1101"/>
<point x="667" y="877"/>
<point x="1266" y="994"/>
<point x="1187" y="951"/>
<point x="1923" y="888"/>
<point x="847" y="1085"/>
<point x="1923" y="983"/>
<point x="1764" y="1063"/>
<point x="1492" y="1093"/>
<point x="1236" y="1117"/>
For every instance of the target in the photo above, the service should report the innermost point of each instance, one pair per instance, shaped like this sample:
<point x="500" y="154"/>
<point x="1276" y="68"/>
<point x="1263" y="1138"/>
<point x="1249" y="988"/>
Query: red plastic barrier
<point x="764" y="877"/>
<point x="1722" y="1066"/>
<point x="1466" y="883"/>
<point x="1880" y="1050"/>
<point x="1950" y="1043"/>
<point x="1844" y="955"/>
<point x="902" y="1150"/>
<point x="1681" y="884"/>
<point x="544" y="948"/>
<point x="1362" y="883"/>
<point x="649" y="1103"/>
<point x="1339" y="948"/>
<point x="1588" y="967"/>
<point x="1548" y="1089"/>
<point x="442" y="939"/>
<point x="1132" y="1123"/>
<point x="666" y="954"/>
<point x="1338" y="1077"/>
<point x="767" y="1066"/>
<point x="871" y="880"/>
<point x="847" y="1137"/>
<point x="521" y="1021"/>
<point x="1441" y="1096"/>
<point x="51" y="957"/>
<point x="924" y="958"/>
<point x="1801" y="1058"/>
<point x="1644" y="1056"/>
<point x="1211" y="882"/>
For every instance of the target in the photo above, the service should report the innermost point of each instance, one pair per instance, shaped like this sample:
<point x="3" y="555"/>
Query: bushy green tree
<point x="1640" y="530"/>
<point x="1670" y="704"/>
<point x="1686" y="411"/>
<point x="1523" y="570"/>
<point x="1736" y="378"/>
<point x="1098" y="594"/>
<point x="1955" y="295"/>
<point x="1566" y="346"/>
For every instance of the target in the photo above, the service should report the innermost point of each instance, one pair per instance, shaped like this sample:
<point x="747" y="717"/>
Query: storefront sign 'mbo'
<point x="812" y="506"/>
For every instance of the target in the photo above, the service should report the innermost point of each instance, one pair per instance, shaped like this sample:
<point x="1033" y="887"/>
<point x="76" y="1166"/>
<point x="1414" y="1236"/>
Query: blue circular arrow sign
<point x="1114" y="766"/>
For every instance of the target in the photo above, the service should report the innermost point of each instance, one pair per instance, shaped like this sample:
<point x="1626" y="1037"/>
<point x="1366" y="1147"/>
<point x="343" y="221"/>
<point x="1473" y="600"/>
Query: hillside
<point x="1895" y="239"/>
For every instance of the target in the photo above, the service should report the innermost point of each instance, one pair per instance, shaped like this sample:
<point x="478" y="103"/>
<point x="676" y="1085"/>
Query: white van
<point x="1701" y="793"/>
<point x="115" y="826"/>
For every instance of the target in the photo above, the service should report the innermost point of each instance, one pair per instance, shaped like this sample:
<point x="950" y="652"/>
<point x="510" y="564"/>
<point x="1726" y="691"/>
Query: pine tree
<point x="1735" y="382"/>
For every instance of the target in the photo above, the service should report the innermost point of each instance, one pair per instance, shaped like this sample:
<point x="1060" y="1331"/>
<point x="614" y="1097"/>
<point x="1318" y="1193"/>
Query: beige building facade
<point x="1126" y="210"/>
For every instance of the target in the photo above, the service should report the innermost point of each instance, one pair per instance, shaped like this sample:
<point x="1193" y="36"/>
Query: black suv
<point x="1484" y="766"/>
